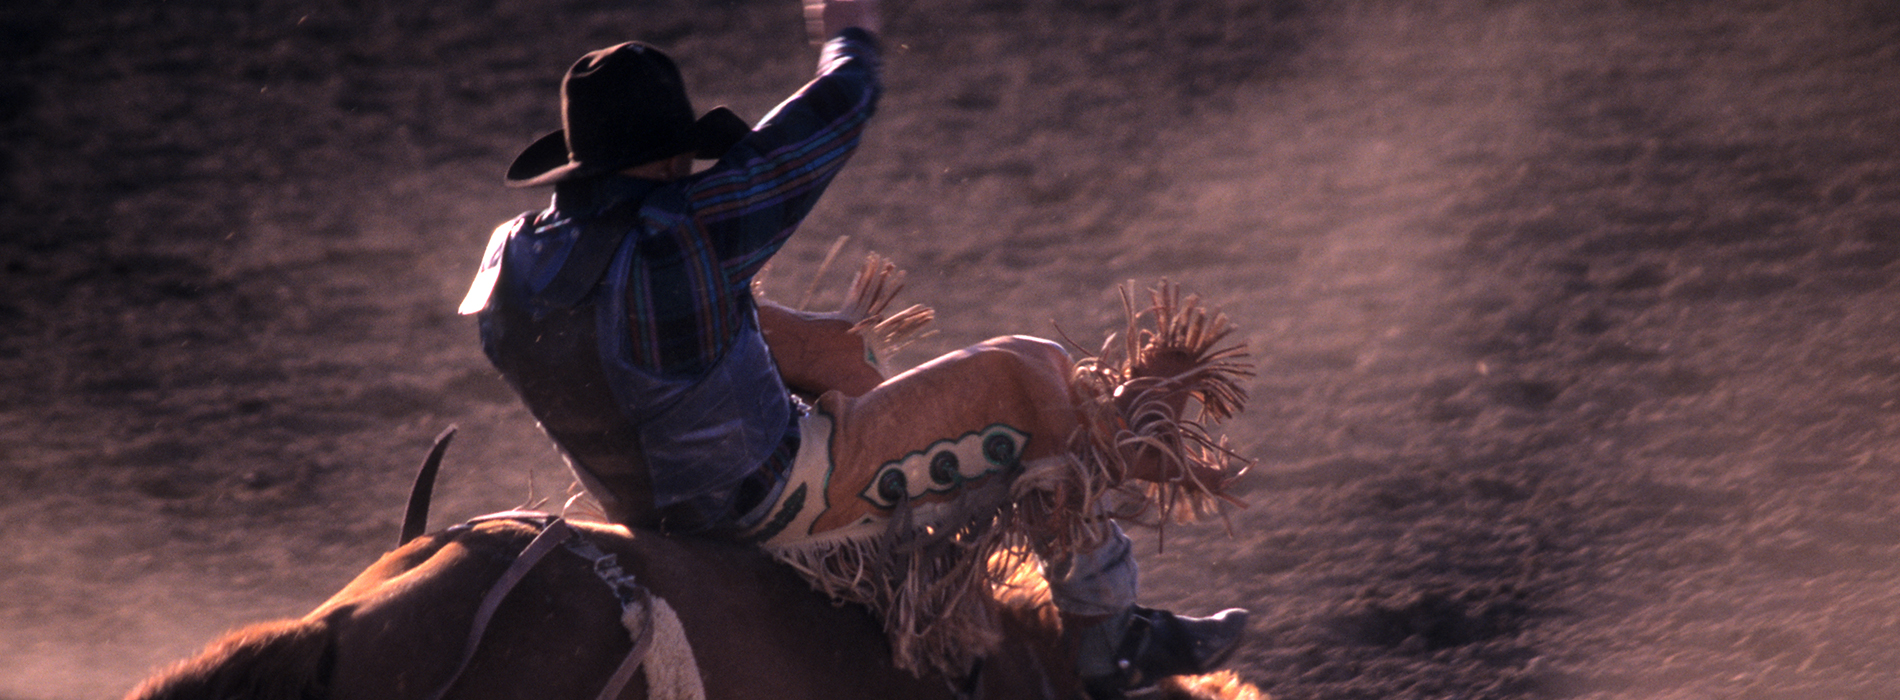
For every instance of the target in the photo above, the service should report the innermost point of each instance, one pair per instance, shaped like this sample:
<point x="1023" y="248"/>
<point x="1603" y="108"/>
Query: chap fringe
<point x="1154" y="395"/>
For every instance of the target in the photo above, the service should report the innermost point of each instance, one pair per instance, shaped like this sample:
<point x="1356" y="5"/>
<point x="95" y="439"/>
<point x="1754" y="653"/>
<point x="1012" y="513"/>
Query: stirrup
<point x="1157" y="644"/>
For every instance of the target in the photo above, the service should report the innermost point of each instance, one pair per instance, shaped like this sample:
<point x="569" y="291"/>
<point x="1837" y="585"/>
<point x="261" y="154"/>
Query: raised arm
<point x="755" y="197"/>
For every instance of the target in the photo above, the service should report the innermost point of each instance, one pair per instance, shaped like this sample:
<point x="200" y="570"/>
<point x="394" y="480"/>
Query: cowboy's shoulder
<point x="504" y="245"/>
<point x="538" y="234"/>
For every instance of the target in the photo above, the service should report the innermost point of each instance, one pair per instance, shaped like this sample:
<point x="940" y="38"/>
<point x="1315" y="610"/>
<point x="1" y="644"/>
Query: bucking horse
<point x="710" y="620"/>
<point x="528" y="604"/>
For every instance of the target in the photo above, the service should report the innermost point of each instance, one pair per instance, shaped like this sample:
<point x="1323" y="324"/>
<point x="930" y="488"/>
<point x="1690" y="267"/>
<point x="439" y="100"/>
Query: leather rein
<point x="636" y="602"/>
<point x="556" y="533"/>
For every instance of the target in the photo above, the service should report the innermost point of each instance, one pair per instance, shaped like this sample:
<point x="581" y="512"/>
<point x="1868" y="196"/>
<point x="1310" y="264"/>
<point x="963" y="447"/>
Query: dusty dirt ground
<point x="1575" y="321"/>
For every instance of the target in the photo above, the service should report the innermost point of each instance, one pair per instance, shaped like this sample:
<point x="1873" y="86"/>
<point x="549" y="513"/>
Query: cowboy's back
<point x="655" y="380"/>
<point x="623" y="316"/>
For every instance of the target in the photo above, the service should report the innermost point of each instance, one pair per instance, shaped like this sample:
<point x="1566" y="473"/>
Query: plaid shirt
<point x="698" y="241"/>
<point x="676" y="346"/>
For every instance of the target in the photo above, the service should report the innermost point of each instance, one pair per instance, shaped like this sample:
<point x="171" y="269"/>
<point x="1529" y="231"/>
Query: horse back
<point x="754" y="627"/>
<point x="759" y="630"/>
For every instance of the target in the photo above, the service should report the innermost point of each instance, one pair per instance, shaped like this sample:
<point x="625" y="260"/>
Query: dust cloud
<point x="1573" y="322"/>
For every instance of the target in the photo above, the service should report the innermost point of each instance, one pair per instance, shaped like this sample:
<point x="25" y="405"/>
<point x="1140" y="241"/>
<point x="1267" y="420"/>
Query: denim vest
<point x="640" y="441"/>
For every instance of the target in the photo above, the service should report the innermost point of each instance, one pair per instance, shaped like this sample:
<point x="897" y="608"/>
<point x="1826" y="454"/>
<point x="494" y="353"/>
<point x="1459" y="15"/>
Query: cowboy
<point x="623" y="316"/>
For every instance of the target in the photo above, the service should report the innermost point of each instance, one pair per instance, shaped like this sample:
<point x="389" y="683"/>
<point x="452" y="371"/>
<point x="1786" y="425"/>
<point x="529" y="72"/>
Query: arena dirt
<point x="1574" y="322"/>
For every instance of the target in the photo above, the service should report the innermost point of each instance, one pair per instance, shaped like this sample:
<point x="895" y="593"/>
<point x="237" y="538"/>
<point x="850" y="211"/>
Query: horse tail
<point x="415" y="519"/>
<point x="282" y="660"/>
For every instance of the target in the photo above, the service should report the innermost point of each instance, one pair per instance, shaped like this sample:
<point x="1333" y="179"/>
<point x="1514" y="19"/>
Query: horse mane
<point x="278" y="660"/>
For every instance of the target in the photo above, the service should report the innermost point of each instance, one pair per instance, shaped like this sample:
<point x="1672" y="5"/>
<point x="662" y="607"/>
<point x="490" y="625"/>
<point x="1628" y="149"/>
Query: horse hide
<point x="394" y="631"/>
<point x="279" y="660"/>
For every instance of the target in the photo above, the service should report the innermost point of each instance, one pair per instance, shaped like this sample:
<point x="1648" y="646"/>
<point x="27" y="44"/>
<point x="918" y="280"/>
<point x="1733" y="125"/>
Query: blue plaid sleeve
<point x="753" y="199"/>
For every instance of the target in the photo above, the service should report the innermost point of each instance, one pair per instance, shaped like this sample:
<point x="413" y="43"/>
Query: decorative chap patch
<point x="945" y="465"/>
<point x="804" y="498"/>
<point x="810" y="495"/>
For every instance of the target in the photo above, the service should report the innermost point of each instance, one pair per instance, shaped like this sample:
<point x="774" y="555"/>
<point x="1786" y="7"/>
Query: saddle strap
<point x="552" y="535"/>
<point x="555" y="532"/>
<point x="623" y="675"/>
<point x="636" y="607"/>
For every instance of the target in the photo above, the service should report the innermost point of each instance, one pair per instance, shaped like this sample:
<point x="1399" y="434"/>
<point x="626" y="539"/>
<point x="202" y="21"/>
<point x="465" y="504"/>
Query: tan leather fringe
<point x="935" y="573"/>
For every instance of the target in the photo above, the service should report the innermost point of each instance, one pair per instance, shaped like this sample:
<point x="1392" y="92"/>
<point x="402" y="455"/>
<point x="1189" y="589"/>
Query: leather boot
<point x="1153" y="644"/>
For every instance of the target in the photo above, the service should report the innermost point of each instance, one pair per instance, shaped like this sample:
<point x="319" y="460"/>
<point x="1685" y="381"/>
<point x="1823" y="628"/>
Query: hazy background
<point x="1575" y="321"/>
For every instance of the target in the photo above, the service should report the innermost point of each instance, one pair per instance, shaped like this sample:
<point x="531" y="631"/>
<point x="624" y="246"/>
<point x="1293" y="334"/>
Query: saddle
<point x="652" y="624"/>
<point x="648" y="619"/>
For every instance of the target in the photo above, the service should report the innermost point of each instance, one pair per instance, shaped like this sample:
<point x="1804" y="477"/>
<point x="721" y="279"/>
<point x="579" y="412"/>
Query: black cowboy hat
<point x="622" y="106"/>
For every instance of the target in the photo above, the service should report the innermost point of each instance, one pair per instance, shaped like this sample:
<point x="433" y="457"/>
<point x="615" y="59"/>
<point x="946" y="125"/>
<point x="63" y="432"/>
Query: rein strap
<point x="554" y="532"/>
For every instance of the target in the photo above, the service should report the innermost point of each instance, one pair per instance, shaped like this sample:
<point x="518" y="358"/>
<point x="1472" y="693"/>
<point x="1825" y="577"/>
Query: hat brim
<point x="546" y="161"/>
<point x="543" y="162"/>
